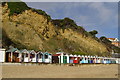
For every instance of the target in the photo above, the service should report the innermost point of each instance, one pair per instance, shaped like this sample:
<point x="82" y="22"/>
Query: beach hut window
<point x="26" y="55"/>
<point x="46" y="56"/>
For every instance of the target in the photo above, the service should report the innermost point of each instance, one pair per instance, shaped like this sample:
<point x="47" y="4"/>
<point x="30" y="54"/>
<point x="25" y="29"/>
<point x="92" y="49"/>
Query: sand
<point x="63" y="71"/>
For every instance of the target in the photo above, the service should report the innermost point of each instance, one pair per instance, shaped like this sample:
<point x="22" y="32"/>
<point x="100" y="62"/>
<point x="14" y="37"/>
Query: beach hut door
<point x="64" y="59"/>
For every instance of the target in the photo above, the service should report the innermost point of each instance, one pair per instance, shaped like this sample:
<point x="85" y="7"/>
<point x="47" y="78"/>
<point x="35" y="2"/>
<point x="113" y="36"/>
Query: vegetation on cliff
<point x="34" y="29"/>
<point x="19" y="7"/>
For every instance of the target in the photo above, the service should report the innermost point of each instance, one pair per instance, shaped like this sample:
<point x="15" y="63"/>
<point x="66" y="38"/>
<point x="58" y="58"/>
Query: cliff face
<point x="34" y="31"/>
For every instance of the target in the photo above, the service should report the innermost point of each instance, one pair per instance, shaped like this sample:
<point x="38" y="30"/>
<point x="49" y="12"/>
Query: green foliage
<point x="94" y="32"/>
<point x="105" y="40"/>
<point x="17" y="7"/>
<point x="69" y="23"/>
<point x="79" y="53"/>
<point x="64" y="23"/>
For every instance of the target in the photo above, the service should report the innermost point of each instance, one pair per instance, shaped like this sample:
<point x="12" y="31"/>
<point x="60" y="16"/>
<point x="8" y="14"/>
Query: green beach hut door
<point x="65" y="59"/>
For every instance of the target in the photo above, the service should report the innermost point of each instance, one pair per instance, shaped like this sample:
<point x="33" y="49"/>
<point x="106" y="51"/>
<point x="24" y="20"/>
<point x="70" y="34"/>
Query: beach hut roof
<point x="66" y="54"/>
<point x="82" y="55"/>
<point x="100" y="57"/>
<point x="79" y="55"/>
<point x="46" y="53"/>
<point x="56" y="54"/>
<point x="71" y="55"/>
<point x="32" y="51"/>
<point x="24" y="51"/>
<point x="75" y="55"/>
<point x="39" y="52"/>
<point x="60" y="53"/>
<point x="13" y="50"/>
<point x="86" y="56"/>
<point x="89" y="56"/>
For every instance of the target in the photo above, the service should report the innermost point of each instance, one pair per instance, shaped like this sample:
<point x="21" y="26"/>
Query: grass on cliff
<point x="17" y="7"/>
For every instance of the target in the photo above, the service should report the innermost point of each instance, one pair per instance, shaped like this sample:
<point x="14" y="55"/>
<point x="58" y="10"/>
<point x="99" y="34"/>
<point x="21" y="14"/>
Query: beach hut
<point x="104" y="60"/>
<point x="113" y="60"/>
<point x="25" y="55"/>
<point x="47" y="57"/>
<point x="91" y="59"/>
<point x="79" y="58"/>
<point x="40" y="57"/>
<point x="82" y="59"/>
<point x="71" y="58"/>
<point x="2" y="55"/>
<point x="94" y="59"/>
<point x="33" y="56"/>
<point x="63" y="57"/>
<point x="13" y="55"/>
<point x="86" y="59"/>
<point x="75" y="61"/>
<point x="99" y="60"/>
<point x="117" y="60"/>
<point x="55" y="58"/>
<point x="107" y="60"/>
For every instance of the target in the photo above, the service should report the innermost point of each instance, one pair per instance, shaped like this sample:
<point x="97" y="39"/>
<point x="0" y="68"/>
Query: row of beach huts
<point x="18" y="56"/>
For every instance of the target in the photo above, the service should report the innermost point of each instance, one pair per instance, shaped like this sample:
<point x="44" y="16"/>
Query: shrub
<point x="105" y="40"/>
<point x="94" y="32"/>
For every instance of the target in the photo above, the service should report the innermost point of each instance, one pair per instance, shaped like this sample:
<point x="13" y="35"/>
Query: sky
<point x="100" y="16"/>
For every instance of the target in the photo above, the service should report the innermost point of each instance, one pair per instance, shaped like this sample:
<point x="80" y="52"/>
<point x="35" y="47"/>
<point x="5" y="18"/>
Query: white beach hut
<point x="33" y="56"/>
<point x="82" y="59"/>
<point x="25" y="56"/>
<point x="40" y="57"/>
<point x="86" y="59"/>
<point x="98" y="60"/>
<point x="47" y="57"/>
<point x="2" y="55"/>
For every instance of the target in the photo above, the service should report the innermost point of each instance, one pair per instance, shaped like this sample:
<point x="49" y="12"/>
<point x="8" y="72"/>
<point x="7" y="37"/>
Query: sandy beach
<point x="63" y="71"/>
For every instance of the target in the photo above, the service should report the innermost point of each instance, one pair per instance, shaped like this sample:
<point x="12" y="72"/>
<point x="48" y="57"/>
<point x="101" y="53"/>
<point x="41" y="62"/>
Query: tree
<point x="105" y="40"/>
<point x="94" y="32"/>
